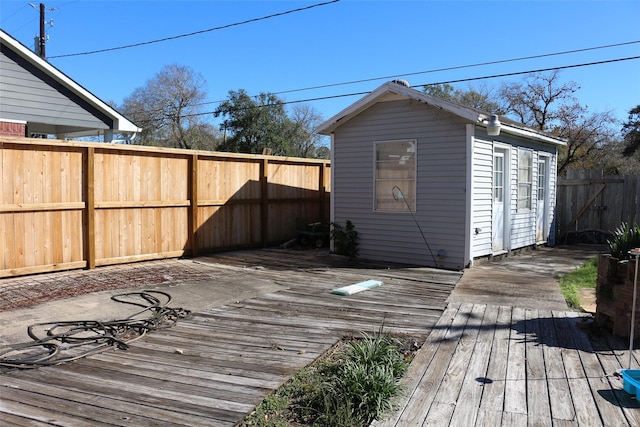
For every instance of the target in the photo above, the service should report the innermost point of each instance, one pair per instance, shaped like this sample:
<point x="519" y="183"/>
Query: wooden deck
<point x="501" y="366"/>
<point x="212" y="369"/>
<point x="480" y="365"/>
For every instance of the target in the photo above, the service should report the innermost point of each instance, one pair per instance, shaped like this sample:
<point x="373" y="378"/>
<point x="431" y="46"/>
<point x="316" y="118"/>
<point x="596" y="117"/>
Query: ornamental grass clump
<point x="350" y="387"/>
<point x="625" y="238"/>
<point x="358" y="389"/>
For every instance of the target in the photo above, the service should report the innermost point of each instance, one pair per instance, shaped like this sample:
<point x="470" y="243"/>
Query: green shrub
<point x="625" y="238"/>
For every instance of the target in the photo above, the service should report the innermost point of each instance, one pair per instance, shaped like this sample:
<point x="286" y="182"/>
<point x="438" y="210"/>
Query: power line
<point x="456" y="67"/>
<point x="248" y="21"/>
<point x="8" y="18"/>
<point x="540" y="70"/>
<point x="468" y="79"/>
<point x="459" y="67"/>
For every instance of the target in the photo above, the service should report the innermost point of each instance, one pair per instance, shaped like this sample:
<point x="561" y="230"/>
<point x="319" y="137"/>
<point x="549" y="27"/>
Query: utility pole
<point x="42" y="40"/>
<point x="39" y="42"/>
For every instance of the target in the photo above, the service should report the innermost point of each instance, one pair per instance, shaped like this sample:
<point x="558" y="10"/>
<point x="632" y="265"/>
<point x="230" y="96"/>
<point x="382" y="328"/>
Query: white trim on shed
<point x="391" y="90"/>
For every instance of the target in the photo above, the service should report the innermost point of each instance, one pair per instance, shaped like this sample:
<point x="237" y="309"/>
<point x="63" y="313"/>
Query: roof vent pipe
<point x="401" y="82"/>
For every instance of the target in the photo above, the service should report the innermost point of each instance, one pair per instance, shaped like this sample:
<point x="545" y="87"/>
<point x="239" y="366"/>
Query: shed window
<point x="542" y="179"/>
<point x="498" y="177"/>
<point x="395" y="175"/>
<point x="525" y="166"/>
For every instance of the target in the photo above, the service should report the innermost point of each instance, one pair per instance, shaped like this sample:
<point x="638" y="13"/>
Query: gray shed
<point x="38" y="100"/>
<point x="424" y="183"/>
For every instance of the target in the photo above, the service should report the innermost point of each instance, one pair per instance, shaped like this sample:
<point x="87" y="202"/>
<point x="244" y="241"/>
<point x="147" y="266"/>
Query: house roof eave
<point x="531" y="134"/>
<point x="121" y="123"/>
<point x="385" y="90"/>
<point x="470" y="114"/>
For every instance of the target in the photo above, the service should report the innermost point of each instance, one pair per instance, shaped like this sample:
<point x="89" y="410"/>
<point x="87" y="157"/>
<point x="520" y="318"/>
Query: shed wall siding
<point x="481" y="218"/>
<point x="440" y="184"/>
<point x="29" y="96"/>
<point x="522" y="224"/>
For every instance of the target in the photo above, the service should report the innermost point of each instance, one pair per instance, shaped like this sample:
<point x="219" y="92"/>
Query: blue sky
<point x="336" y="43"/>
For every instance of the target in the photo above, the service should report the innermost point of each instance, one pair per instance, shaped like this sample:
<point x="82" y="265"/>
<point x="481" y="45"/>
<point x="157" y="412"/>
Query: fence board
<point x="589" y="201"/>
<point x="70" y="204"/>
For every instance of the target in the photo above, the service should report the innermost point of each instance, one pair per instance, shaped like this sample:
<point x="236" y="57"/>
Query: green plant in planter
<point x="625" y="238"/>
<point x="344" y="239"/>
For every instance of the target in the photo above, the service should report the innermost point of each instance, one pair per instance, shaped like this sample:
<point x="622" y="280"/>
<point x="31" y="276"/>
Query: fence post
<point x="322" y="189"/>
<point x="90" y="212"/>
<point x="264" y="202"/>
<point x="192" y="226"/>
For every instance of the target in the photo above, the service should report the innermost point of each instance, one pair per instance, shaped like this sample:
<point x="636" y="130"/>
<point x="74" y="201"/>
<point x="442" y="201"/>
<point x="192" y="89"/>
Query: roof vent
<point x="401" y="82"/>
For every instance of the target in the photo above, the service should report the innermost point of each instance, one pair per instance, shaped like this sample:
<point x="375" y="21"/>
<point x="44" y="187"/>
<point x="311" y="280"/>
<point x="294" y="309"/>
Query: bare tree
<point x="587" y="135"/>
<point x="168" y="108"/>
<point x="305" y="141"/>
<point x="611" y="161"/>
<point x="542" y="102"/>
<point x="537" y="100"/>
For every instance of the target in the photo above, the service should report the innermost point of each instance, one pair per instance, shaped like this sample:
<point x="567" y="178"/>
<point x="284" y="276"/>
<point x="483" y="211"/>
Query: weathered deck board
<point x="213" y="368"/>
<point x="562" y="409"/>
<point x="472" y="389"/>
<point x="537" y="386"/>
<point x="538" y="368"/>
<point x="516" y="384"/>
<point x="492" y="402"/>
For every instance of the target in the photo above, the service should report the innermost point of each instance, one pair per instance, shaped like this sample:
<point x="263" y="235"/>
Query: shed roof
<point x="90" y="102"/>
<point x="390" y="91"/>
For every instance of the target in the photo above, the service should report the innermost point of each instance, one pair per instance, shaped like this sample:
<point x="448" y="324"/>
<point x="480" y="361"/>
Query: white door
<point x="500" y="186"/>
<point x="542" y="209"/>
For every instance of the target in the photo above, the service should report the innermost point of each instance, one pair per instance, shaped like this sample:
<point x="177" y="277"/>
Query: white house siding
<point x="552" y="188"/>
<point x="482" y="197"/>
<point x="440" y="184"/>
<point x="28" y="94"/>
<point x="550" y="153"/>
<point x="522" y="224"/>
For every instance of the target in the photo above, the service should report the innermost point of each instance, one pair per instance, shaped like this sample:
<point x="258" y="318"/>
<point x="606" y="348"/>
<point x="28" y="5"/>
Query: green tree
<point x="252" y="124"/>
<point x="479" y="98"/>
<point x="631" y="132"/>
<point x="168" y="109"/>
<point x="442" y="90"/>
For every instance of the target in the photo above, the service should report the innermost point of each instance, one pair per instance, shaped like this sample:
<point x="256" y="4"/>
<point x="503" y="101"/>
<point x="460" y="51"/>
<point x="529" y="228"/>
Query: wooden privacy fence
<point x="589" y="201"/>
<point x="66" y="205"/>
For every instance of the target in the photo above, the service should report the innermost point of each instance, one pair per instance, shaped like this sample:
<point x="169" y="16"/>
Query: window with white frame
<point x="542" y="178"/>
<point x="395" y="176"/>
<point x="525" y="176"/>
<point x="498" y="177"/>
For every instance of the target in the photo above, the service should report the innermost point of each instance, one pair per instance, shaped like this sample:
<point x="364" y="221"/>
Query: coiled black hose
<point x="71" y="340"/>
